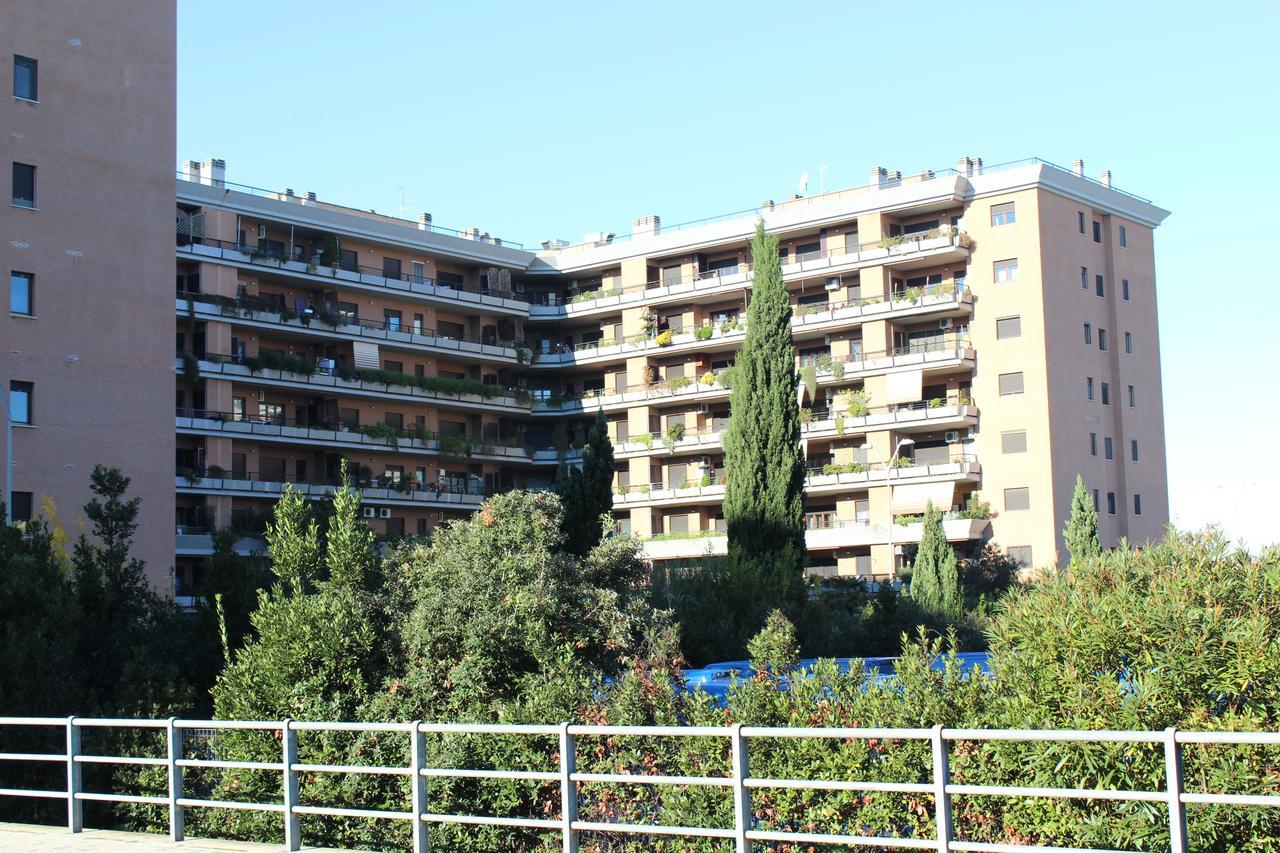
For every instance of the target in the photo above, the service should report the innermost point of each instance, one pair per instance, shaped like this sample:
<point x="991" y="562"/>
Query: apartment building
<point x="973" y="337"/>
<point x="86" y="253"/>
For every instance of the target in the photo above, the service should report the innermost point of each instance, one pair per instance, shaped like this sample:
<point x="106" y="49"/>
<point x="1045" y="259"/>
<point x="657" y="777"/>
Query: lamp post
<point x="888" y="481"/>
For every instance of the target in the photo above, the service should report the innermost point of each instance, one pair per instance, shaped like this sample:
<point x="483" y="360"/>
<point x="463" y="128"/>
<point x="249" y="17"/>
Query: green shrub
<point x="703" y="333"/>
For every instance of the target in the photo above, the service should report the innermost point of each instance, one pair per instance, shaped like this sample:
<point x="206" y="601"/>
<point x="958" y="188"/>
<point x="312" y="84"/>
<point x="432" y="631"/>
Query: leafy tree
<point x="774" y="651"/>
<point x="935" y="577"/>
<point x="1081" y="531"/>
<point x="764" y="493"/>
<point x="586" y="493"/>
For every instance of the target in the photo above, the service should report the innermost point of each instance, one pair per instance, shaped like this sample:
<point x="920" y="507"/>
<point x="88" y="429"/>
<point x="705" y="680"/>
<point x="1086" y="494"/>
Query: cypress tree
<point x="935" y="578"/>
<point x="764" y="495"/>
<point x="1081" y="531"/>
<point x="587" y="493"/>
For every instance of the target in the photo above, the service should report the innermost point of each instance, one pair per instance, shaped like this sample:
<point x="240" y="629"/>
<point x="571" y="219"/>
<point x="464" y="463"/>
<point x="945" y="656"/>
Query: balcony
<point x="333" y="326"/>
<point x="367" y="278"/>
<point x="402" y="493"/>
<point x="192" y="544"/>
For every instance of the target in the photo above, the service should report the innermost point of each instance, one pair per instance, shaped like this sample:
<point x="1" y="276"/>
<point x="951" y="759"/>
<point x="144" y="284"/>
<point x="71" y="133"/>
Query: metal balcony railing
<point x="932" y="780"/>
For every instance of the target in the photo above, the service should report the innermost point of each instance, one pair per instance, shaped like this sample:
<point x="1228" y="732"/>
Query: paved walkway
<point x="24" y="838"/>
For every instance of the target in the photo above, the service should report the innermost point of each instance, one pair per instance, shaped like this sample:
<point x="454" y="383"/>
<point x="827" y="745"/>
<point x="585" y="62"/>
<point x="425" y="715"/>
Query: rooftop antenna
<point x="802" y="185"/>
<point x="822" y="177"/>
<point x="400" y="211"/>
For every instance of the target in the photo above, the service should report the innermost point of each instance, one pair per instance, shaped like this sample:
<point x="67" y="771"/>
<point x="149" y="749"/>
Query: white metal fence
<point x="939" y="788"/>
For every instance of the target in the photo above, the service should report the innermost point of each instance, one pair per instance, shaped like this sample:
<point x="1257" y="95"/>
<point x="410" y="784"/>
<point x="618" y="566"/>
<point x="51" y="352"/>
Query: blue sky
<point x="553" y="119"/>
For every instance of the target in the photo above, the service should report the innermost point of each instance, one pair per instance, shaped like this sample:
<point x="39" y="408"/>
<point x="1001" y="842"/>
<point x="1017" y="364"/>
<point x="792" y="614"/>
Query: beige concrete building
<point x="84" y="344"/>
<point x="973" y="337"/>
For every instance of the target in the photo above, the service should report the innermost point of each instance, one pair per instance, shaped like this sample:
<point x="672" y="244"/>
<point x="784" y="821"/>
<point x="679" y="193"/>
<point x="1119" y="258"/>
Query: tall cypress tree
<point x="1081" y="531"/>
<point x="587" y="493"/>
<point x="935" y="577"/>
<point x="764" y="494"/>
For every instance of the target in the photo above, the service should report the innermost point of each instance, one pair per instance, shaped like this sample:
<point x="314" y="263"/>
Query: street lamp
<point x="869" y="448"/>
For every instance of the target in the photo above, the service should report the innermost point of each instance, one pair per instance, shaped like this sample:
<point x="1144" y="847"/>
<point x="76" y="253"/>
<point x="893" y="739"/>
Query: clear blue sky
<point x="552" y="119"/>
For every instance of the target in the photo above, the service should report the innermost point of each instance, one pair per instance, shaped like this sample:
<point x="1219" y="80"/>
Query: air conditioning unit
<point x="440" y="516"/>
<point x="519" y="287"/>
<point x="826" y="340"/>
<point x="952" y="436"/>
<point x="703" y="408"/>
<point x="945" y="323"/>
<point x="833" y="282"/>
<point x="368" y="512"/>
<point x="262" y="232"/>
<point x="384" y="512"/>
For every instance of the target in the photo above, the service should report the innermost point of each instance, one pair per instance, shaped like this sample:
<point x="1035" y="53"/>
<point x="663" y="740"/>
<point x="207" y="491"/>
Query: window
<point x="1137" y="504"/>
<point x="672" y="274"/>
<point x="1132" y="398"/>
<point x="1099" y="285"/>
<point x="1124" y="238"/>
<point x="1088" y="385"/>
<point x="1097" y="231"/>
<point x="1008" y="327"/>
<point x="1014" y="441"/>
<point x="20" y="394"/>
<point x="1017" y="499"/>
<point x="1106" y="394"/>
<point x="391" y="268"/>
<point x="24" y="185"/>
<point x="395" y="420"/>
<point x="1124" y="289"/>
<point x="1102" y="339"/>
<point x="1020" y="554"/>
<point x="1084" y="278"/>
<point x="20" y="506"/>
<point x="1096" y="506"/>
<point x="1108" y="450"/>
<point x="1080" y="218"/>
<point x="1133" y="449"/>
<point x="20" y="287"/>
<point x="391" y="319"/>
<point x="1111" y="503"/>
<point x="25" y="78"/>
<point x="1128" y="343"/>
<point x="1093" y="444"/>
<point x="1088" y="333"/>
<point x="1006" y="270"/>
<point x="419" y="274"/>
<point x="1010" y="383"/>
<point x="1003" y="214"/>
<point x="393" y="366"/>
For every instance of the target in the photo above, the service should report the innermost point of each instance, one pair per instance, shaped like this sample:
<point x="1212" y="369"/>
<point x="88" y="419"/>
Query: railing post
<point x="1173" y="790"/>
<point x="177" y="819"/>
<point x="418" y="784"/>
<point x="75" y="782"/>
<point x="741" y="794"/>
<point x="292" y="824"/>
<point x="941" y="799"/>
<point x="568" y="790"/>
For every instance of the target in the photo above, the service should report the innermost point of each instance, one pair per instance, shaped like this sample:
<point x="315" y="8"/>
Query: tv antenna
<point x="400" y="211"/>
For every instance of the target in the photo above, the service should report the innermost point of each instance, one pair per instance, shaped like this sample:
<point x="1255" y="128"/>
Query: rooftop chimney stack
<point x="310" y="199"/>
<point x="876" y="177"/>
<point x="192" y="172"/>
<point x="1077" y="166"/>
<point x="424" y="221"/>
<point x="766" y="206"/>
<point x="646" y="226"/>
<point x="214" y="173"/>
<point x="1105" y="178"/>
<point x="969" y="166"/>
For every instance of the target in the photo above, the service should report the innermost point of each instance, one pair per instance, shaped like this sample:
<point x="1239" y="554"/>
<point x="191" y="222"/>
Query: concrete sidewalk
<point x="25" y="838"/>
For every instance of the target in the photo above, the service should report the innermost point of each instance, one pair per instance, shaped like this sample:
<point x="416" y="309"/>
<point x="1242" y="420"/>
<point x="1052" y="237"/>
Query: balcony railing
<point x="406" y="486"/>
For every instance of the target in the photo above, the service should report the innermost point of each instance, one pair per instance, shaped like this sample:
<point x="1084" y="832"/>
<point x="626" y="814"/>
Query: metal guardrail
<point x="740" y="783"/>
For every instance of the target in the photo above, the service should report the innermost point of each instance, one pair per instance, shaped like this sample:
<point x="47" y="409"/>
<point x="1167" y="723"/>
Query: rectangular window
<point x="20" y="402"/>
<point x="1020" y="554"/>
<point x="25" y="78"/>
<point x="391" y="319"/>
<point x="1006" y="270"/>
<point x="1124" y="289"/>
<point x="1097" y="231"/>
<point x="1124" y="238"/>
<point x="24" y="185"/>
<point x="1099" y="285"/>
<point x="1088" y="333"/>
<point x="1106" y="394"/>
<point x="672" y="274"/>
<point x="1096" y="506"/>
<point x="1010" y="383"/>
<point x="21" y="285"/>
<point x="1088" y="385"/>
<point x="1111" y="503"/>
<point x="1128" y="343"/>
<point x="1014" y="441"/>
<point x="1102" y="339"/>
<point x="20" y="506"/>
<point x="419" y="274"/>
<point x="1080" y="218"/>
<point x="1108" y="450"/>
<point x="1133" y="449"/>
<point x="1084" y="278"/>
<point x="1016" y="500"/>
<point x="391" y="268"/>
<point x="1008" y="327"/>
<point x="1137" y="504"/>
<point x="1093" y="444"/>
<point x="1003" y="214"/>
<point x="395" y="420"/>
<point x="393" y="366"/>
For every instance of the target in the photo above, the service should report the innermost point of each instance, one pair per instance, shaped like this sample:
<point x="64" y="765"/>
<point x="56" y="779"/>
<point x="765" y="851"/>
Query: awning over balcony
<point x="905" y="387"/>
<point x="908" y="500"/>
<point x="366" y="355"/>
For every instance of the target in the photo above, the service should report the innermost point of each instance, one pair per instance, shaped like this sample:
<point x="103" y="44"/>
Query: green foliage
<point x="764" y="492"/>
<point x="935" y="576"/>
<point x="703" y="333"/>
<point x="586" y="493"/>
<point x="809" y="375"/>
<point x="1081" y="532"/>
<point x="774" y="651"/>
<point x="844" y="468"/>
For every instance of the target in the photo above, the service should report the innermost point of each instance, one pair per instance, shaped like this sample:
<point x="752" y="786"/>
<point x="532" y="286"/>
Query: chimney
<point x="310" y="199"/>
<point x="424" y="221"/>
<point x="287" y="194"/>
<point x="766" y="206"/>
<point x="646" y="226"/>
<point x="214" y="173"/>
<point x="554" y="244"/>
<point x="469" y="233"/>
<point x="969" y="166"/>
<point x="977" y="165"/>
<point x="1105" y="178"/>
<point x="192" y="172"/>
<point x="876" y="176"/>
<point x="1077" y="166"/>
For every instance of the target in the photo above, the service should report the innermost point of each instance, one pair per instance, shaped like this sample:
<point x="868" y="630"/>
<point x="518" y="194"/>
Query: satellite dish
<point x="802" y="186"/>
